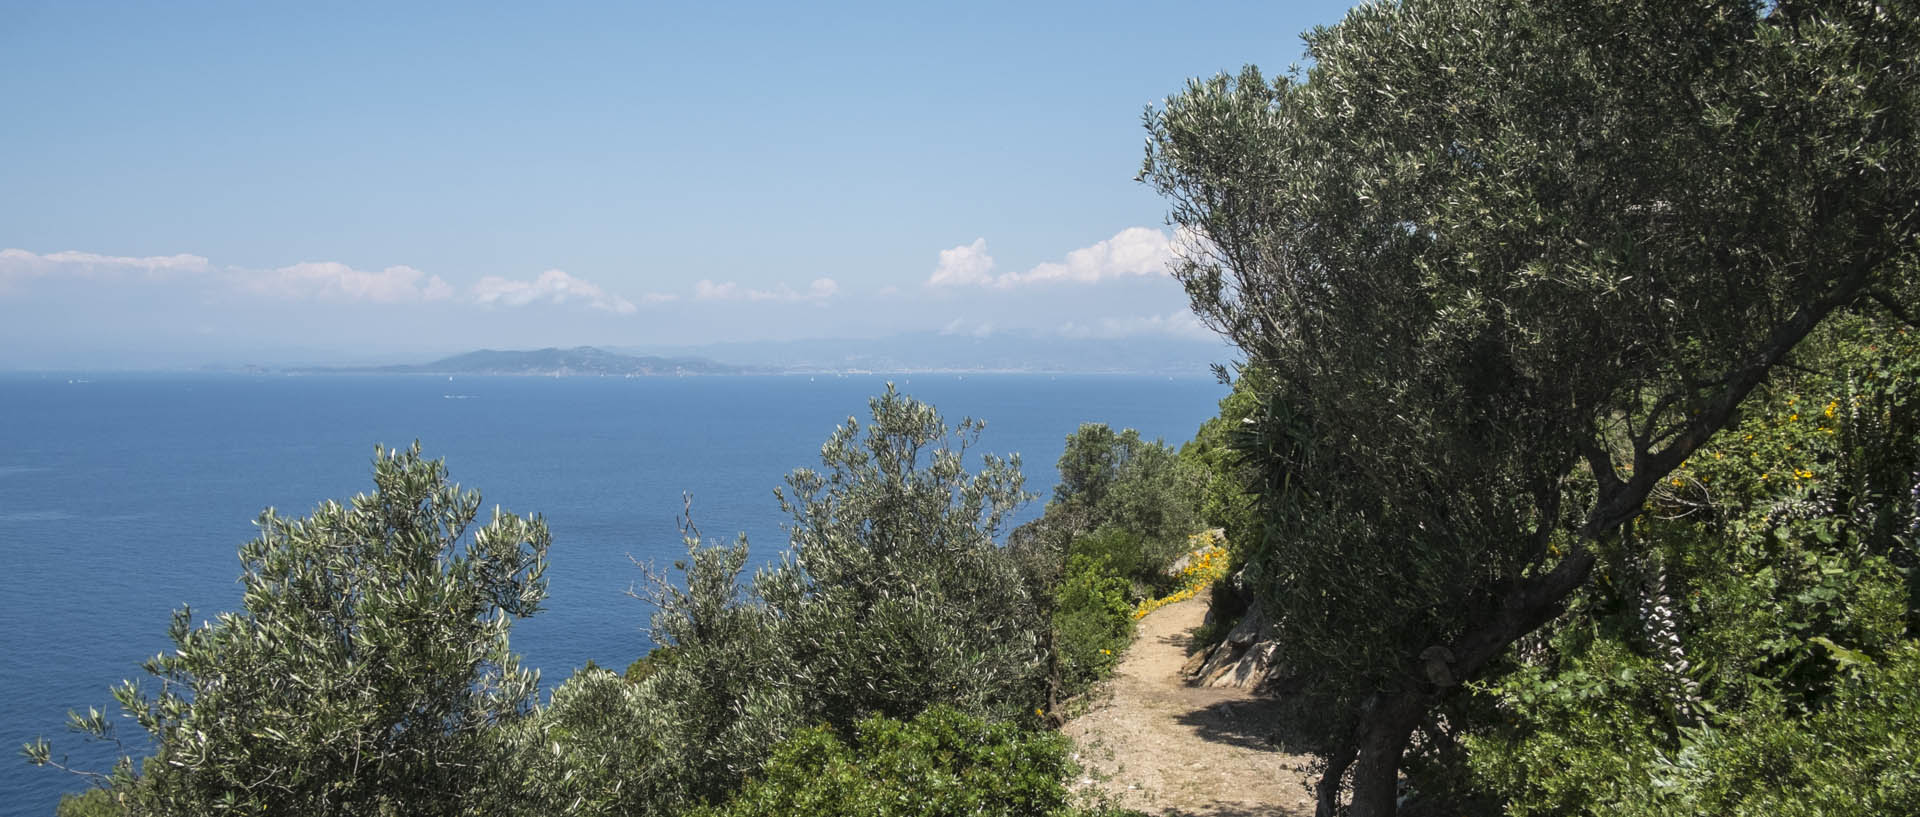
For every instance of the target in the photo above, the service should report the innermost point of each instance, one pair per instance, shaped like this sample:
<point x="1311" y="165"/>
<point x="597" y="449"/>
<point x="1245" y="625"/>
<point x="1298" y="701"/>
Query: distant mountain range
<point x="580" y="360"/>
<point x="1007" y="351"/>
<point x="911" y="352"/>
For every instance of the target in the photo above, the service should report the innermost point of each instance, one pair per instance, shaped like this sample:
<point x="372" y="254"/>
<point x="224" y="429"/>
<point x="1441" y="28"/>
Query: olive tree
<point x="896" y="585"/>
<point x="893" y="596"/>
<point x="367" y="673"/>
<point x="1508" y="265"/>
<point x="1118" y="478"/>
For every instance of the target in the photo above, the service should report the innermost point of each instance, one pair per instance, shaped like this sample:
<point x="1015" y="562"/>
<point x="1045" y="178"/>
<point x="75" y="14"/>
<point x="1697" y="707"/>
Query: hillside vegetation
<point x="1572" y="467"/>
<point x="369" y="670"/>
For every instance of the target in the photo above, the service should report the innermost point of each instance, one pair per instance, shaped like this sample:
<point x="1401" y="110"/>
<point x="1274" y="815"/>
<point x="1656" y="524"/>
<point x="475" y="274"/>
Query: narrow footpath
<point x="1166" y="748"/>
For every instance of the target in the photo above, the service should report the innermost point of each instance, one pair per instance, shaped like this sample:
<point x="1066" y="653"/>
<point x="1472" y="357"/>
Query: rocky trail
<point x="1160" y="745"/>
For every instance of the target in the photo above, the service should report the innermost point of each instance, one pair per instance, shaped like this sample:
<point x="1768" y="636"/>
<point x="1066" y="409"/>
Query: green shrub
<point x="367" y="672"/>
<point x="1092" y="623"/>
<point x="1118" y="480"/>
<point x="1758" y="656"/>
<point x="89" y="803"/>
<point x="645" y="666"/>
<point x="1120" y="552"/>
<point x="893" y="597"/>
<point x="941" y="763"/>
<point x="1218" y="451"/>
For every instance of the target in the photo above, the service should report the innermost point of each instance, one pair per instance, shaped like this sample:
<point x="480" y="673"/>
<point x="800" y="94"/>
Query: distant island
<point x="581" y="360"/>
<point x="1007" y="352"/>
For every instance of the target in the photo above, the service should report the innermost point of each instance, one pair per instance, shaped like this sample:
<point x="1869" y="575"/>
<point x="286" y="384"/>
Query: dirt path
<point x="1166" y="748"/>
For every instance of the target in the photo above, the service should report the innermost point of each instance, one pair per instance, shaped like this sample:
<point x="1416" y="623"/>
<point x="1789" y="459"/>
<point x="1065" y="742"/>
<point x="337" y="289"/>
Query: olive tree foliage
<point x="1117" y="488"/>
<point x="894" y="596"/>
<point x="1120" y="479"/>
<point x="896" y="578"/>
<point x="367" y="673"/>
<point x="1508" y="264"/>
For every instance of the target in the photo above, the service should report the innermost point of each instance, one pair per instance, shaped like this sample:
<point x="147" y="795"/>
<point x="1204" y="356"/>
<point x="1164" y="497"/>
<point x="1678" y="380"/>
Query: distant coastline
<point x="587" y="361"/>
<point x="961" y="357"/>
<point x="1009" y="352"/>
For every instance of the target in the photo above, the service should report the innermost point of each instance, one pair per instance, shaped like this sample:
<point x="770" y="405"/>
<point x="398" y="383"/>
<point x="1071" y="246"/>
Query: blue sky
<point x="324" y="182"/>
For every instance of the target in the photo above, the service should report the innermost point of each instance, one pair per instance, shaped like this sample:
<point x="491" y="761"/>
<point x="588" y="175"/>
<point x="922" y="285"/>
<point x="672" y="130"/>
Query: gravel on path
<point x="1164" y="747"/>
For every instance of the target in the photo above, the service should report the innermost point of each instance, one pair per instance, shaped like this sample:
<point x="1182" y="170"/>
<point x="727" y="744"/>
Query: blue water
<point x="124" y="497"/>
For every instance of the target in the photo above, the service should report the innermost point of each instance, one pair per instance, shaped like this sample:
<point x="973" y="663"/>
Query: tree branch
<point x="1649" y="467"/>
<point x="1531" y="605"/>
<point x="1536" y="602"/>
<point x="1601" y="464"/>
<point x="1893" y="307"/>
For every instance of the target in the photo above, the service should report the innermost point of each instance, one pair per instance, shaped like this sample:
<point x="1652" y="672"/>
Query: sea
<point x="125" y="496"/>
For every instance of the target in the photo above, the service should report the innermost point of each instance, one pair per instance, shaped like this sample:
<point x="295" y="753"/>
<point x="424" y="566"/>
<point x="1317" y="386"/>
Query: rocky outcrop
<point x="1244" y="659"/>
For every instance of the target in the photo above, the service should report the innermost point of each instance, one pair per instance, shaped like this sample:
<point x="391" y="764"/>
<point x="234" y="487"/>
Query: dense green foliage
<point x="1756" y="653"/>
<point x="888" y="662"/>
<point x="943" y="762"/>
<point x="1092" y="622"/>
<point x="1219" y="450"/>
<point x="1124" y="554"/>
<point x="90" y="803"/>
<point x="1576" y="461"/>
<point x="368" y="674"/>
<point x="1139" y="495"/>
<point x="1509" y="264"/>
<point x="894" y="598"/>
<point x="1119" y="518"/>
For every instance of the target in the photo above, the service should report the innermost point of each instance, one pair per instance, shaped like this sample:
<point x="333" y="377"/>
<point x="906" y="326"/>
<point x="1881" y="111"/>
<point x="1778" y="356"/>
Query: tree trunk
<point x="1383" y="734"/>
<point x="1328" y="789"/>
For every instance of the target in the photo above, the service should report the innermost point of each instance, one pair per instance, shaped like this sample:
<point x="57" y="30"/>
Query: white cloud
<point x="706" y="290"/>
<point x="1177" y="324"/>
<point x="17" y="264"/>
<point x="326" y="280"/>
<point x="965" y="265"/>
<point x="1131" y="253"/>
<point x="819" y="289"/>
<point x="334" y="281"/>
<point x="554" y="286"/>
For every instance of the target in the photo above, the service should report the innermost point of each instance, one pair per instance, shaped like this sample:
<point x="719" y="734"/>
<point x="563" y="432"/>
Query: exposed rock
<point x="1252" y="669"/>
<point x="1251" y="628"/>
<point x="1194" y="663"/>
<point x="1243" y="660"/>
<point x="1179" y="565"/>
<point x="1220" y="661"/>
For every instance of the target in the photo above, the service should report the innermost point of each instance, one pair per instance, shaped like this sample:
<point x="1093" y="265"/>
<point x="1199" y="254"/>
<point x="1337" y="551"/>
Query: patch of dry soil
<point x="1163" y="747"/>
